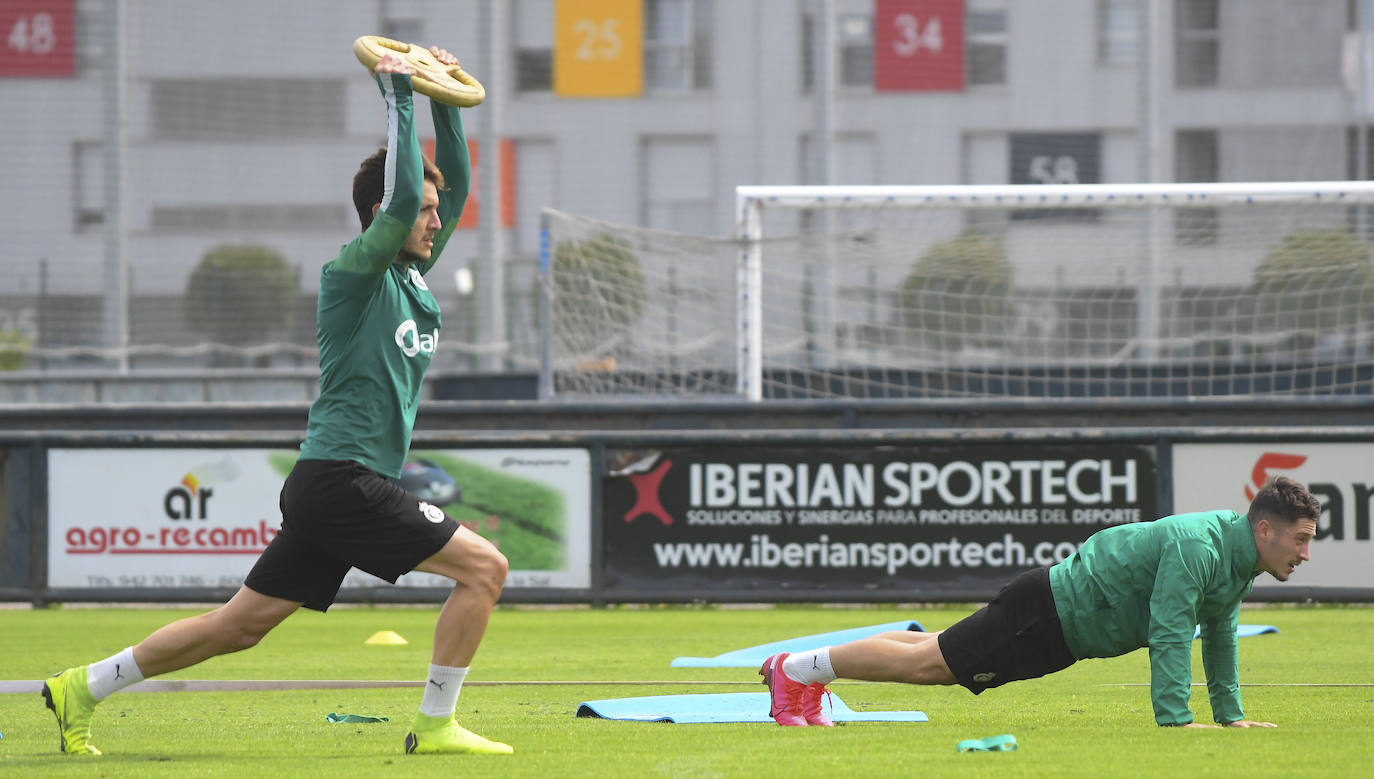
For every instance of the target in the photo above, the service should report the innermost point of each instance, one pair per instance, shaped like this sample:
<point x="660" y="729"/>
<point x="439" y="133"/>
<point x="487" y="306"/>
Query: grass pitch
<point x="1090" y="720"/>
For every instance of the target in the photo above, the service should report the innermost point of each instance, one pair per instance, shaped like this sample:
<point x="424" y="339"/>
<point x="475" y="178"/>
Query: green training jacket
<point x="377" y="322"/>
<point x="1152" y="584"/>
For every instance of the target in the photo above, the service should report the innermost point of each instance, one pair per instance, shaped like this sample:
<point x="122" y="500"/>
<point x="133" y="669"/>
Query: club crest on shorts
<point x="432" y="512"/>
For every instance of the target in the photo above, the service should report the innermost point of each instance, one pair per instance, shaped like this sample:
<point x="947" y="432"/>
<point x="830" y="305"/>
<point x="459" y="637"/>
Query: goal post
<point x="1235" y="288"/>
<point x="1040" y="291"/>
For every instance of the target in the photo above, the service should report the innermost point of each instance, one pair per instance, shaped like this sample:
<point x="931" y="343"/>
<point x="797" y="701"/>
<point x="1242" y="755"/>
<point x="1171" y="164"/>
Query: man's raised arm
<point x="452" y="159"/>
<point x="371" y="253"/>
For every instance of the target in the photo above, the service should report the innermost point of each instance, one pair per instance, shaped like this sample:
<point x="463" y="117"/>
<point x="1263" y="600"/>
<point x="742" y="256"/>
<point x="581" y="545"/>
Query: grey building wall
<point x="202" y="173"/>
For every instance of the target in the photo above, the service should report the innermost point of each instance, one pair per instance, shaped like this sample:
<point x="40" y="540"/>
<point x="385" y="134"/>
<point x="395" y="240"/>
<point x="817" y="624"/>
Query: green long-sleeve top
<point x="377" y="321"/>
<point x="1152" y="584"/>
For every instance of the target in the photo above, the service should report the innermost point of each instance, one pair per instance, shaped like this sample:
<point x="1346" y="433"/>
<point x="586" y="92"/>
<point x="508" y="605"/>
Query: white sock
<point x="113" y="674"/>
<point x="441" y="690"/>
<point x="809" y="667"/>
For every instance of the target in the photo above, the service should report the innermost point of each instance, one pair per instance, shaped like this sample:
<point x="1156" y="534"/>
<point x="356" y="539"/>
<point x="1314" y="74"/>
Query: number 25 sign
<point x="36" y="38"/>
<point x="597" y="48"/>
<point x="918" y="45"/>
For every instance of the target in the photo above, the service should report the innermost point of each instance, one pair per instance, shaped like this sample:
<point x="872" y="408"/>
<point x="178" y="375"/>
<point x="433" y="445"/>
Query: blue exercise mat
<point x="754" y="656"/>
<point x="1241" y="631"/>
<point x="723" y="707"/>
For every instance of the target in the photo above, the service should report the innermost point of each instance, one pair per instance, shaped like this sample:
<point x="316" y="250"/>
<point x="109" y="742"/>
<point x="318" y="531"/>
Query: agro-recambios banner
<point x="921" y="518"/>
<point x="1340" y="475"/>
<point x="175" y="518"/>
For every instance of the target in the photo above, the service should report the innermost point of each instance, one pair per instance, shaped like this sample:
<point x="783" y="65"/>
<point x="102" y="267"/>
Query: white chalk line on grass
<point x="1258" y="684"/>
<point x="249" y="685"/>
<point x="12" y="686"/>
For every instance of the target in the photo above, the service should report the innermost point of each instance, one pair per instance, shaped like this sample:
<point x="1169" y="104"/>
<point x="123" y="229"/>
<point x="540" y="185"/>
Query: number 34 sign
<point x="918" y="45"/>
<point x="36" y="38"/>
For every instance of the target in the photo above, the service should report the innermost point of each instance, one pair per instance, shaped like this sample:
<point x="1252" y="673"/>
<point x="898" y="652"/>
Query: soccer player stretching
<point x="1131" y="586"/>
<point x="378" y="325"/>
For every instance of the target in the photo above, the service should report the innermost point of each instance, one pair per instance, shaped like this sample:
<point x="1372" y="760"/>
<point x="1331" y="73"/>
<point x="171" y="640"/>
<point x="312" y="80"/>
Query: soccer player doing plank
<point x="1144" y="584"/>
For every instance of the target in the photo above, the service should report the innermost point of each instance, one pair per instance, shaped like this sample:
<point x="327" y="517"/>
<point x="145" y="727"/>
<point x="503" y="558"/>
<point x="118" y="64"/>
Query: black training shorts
<point x="1016" y="636"/>
<point x="336" y="515"/>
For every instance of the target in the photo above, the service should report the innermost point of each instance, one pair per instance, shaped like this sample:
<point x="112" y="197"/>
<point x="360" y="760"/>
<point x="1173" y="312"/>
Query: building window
<point x="853" y="50"/>
<point x="247" y="109"/>
<point x="405" y="30"/>
<point x="88" y="185"/>
<point x="536" y="188"/>
<point x="1352" y="154"/>
<point x="677" y="44"/>
<point x="1361" y="216"/>
<point x="986" y="47"/>
<point x="1118" y="35"/>
<point x="242" y="217"/>
<point x="1196" y="158"/>
<point x="679" y="184"/>
<point x="854" y="35"/>
<point x="1197" y="47"/>
<point x="92" y="26"/>
<point x="533" y="30"/>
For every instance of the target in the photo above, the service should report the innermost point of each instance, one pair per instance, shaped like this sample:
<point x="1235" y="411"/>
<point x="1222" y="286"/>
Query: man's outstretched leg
<point x="478" y="571"/>
<point x="1016" y="636"/>
<point x="239" y="624"/>
<point x="797" y="682"/>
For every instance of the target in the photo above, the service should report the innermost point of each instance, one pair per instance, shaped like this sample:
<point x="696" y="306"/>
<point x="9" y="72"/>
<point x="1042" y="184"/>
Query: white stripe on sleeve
<point x="392" y="131"/>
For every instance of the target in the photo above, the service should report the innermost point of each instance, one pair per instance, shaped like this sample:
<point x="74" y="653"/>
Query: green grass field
<point x="1085" y="721"/>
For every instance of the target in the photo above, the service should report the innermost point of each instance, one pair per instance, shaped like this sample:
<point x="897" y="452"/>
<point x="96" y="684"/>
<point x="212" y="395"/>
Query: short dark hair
<point x="1282" y="498"/>
<point x="370" y="180"/>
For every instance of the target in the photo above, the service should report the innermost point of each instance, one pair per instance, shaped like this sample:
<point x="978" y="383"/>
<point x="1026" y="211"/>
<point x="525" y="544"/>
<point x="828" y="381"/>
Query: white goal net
<point x="1150" y="290"/>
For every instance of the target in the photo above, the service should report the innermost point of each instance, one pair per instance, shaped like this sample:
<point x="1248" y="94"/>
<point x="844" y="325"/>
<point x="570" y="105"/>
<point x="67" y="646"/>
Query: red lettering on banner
<point x="37" y="38"/>
<point x="918" y="45"/>
<point x="169" y="540"/>
<point x="1270" y="461"/>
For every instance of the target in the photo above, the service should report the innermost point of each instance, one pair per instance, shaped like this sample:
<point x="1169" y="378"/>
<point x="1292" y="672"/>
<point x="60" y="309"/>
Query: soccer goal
<point x="1147" y="290"/>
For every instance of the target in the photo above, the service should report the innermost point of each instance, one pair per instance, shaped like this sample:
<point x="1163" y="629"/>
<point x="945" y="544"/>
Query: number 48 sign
<point x="918" y="45"/>
<point x="37" y="38"/>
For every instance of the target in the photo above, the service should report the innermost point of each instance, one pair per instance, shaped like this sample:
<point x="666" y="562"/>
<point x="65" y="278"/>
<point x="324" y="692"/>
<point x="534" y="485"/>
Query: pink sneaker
<point x="785" y="695"/>
<point x="811" y="705"/>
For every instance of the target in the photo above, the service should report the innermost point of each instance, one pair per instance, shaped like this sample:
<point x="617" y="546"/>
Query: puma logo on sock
<point x="440" y="685"/>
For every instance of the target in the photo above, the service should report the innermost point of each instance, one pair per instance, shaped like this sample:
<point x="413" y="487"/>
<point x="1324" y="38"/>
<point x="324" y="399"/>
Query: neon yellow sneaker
<point x="69" y="697"/>
<point x="444" y="736"/>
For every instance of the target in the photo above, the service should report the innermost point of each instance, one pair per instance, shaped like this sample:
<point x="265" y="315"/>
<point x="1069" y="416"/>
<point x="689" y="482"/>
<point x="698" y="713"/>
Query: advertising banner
<point x="39" y="38"/>
<point x="1340" y="475"/>
<point x="598" y="48"/>
<point x="918" y="45"/>
<point x="174" y="518"/>
<point x="910" y="520"/>
<point x="1055" y="158"/>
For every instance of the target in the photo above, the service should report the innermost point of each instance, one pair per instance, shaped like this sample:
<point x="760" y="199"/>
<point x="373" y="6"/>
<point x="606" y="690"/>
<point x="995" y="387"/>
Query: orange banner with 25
<point x="598" y="48"/>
